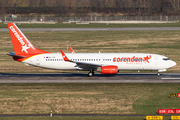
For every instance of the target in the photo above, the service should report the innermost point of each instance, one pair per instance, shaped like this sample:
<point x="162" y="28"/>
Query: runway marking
<point x="170" y="78"/>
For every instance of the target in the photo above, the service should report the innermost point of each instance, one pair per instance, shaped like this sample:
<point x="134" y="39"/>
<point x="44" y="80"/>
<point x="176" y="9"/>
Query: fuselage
<point x="124" y="61"/>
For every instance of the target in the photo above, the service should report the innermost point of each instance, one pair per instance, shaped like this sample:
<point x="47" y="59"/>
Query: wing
<point x="82" y="65"/>
<point x="72" y="51"/>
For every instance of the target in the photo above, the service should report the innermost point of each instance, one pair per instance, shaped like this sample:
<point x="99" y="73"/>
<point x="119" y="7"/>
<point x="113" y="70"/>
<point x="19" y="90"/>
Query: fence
<point x="91" y="18"/>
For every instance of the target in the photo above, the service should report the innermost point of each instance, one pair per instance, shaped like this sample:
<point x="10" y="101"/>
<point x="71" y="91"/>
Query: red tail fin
<point x="21" y="44"/>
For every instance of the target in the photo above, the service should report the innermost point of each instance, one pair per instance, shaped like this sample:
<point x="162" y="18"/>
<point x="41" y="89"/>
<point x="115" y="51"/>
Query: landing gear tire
<point x="90" y="74"/>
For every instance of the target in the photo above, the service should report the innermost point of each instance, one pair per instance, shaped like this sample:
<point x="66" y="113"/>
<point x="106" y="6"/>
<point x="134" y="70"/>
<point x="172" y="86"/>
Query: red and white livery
<point x="106" y="63"/>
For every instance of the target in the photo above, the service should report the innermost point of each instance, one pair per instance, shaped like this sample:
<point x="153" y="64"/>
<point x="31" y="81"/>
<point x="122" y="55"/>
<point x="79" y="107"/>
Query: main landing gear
<point x="91" y="73"/>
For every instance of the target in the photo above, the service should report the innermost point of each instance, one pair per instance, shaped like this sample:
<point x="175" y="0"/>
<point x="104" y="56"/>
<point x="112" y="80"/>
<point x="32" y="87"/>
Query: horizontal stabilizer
<point x="14" y="55"/>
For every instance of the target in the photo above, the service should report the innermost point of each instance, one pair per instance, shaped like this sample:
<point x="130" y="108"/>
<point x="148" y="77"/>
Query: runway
<point x="95" y="29"/>
<point x="83" y="78"/>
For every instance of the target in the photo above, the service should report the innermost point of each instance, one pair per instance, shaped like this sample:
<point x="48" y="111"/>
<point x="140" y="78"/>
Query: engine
<point x="108" y="69"/>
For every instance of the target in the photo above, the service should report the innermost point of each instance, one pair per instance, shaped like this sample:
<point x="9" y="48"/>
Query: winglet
<point x="64" y="56"/>
<point x="72" y="51"/>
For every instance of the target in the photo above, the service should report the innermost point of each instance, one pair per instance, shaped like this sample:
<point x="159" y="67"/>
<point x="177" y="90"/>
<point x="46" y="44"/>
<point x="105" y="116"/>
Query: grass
<point x="157" y="42"/>
<point x="87" y="98"/>
<point x="73" y="25"/>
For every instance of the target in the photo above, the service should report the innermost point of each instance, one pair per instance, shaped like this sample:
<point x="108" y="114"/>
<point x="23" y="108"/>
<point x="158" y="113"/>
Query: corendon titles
<point x="20" y="39"/>
<point x="133" y="59"/>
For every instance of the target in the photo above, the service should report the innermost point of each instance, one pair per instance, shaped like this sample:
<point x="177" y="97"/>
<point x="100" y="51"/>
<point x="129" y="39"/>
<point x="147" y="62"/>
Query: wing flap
<point x="83" y="64"/>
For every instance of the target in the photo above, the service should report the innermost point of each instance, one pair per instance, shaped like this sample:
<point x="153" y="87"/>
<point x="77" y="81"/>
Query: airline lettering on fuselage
<point x="132" y="59"/>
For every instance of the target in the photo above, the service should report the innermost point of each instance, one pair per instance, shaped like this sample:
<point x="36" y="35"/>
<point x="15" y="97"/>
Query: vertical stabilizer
<point x="21" y="44"/>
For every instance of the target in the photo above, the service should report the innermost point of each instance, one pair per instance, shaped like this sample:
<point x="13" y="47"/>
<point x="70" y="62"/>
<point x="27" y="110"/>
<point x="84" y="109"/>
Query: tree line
<point x="82" y="7"/>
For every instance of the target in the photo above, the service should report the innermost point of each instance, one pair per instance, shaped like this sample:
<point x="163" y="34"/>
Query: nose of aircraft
<point x="172" y="63"/>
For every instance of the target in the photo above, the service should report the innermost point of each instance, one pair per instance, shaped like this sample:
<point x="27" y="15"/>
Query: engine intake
<point x="108" y="69"/>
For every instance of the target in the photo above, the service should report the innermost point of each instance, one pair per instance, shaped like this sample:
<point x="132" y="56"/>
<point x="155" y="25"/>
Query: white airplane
<point x="106" y="63"/>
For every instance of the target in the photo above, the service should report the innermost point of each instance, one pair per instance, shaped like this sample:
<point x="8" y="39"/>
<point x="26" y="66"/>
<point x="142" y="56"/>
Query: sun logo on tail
<point x="24" y="48"/>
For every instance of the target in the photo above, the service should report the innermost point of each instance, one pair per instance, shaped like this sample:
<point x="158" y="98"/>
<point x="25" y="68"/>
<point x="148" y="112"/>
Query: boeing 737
<point x="106" y="63"/>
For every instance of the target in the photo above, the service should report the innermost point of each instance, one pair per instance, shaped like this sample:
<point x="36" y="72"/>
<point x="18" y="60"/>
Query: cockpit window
<point x="165" y="58"/>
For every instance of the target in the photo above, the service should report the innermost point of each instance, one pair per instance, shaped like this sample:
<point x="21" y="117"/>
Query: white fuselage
<point x="124" y="61"/>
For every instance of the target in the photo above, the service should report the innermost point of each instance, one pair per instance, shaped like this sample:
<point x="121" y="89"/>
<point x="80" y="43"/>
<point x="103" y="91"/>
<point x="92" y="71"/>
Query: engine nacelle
<point x="108" y="69"/>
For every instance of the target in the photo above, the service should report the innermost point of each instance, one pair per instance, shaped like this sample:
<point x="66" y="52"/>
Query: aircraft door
<point x="156" y="60"/>
<point x="38" y="60"/>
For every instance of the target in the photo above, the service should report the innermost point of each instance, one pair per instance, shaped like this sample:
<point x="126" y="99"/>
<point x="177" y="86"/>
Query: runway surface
<point x="95" y="29"/>
<point x="83" y="78"/>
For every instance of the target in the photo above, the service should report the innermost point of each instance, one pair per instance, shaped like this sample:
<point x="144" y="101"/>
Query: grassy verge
<point x="87" y="98"/>
<point x="73" y="25"/>
<point x="158" y="42"/>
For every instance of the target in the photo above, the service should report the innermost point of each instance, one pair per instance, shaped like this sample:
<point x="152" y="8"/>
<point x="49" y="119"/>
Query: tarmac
<point x="83" y="78"/>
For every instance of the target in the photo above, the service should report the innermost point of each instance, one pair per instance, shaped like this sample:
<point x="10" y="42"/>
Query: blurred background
<point x="89" y="10"/>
